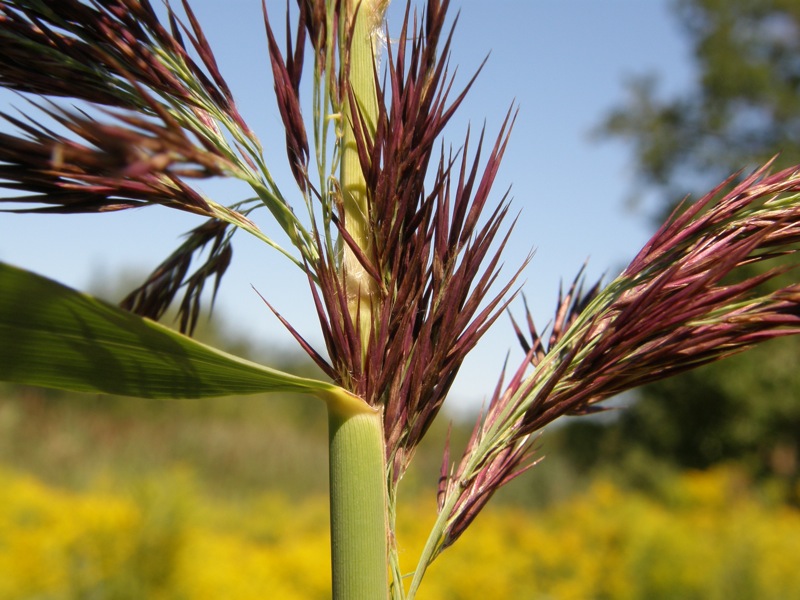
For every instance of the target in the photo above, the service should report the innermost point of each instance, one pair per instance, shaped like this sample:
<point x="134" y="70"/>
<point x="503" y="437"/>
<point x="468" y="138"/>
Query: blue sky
<point x="563" y="62"/>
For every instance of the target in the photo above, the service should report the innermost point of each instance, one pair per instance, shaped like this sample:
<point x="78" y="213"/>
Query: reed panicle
<point x="688" y="298"/>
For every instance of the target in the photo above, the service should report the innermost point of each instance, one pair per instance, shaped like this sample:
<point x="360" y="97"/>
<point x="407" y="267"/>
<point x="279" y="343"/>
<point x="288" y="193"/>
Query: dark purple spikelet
<point x="465" y="489"/>
<point x="157" y="293"/>
<point x="313" y="18"/>
<point x="286" y="74"/>
<point x="92" y="51"/>
<point x="134" y="162"/>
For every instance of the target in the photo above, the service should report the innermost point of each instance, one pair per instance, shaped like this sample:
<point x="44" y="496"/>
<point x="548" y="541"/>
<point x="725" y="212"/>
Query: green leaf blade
<point x="54" y="336"/>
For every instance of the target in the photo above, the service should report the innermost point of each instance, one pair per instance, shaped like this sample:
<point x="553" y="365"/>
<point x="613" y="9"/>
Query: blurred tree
<point x="744" y="109"/>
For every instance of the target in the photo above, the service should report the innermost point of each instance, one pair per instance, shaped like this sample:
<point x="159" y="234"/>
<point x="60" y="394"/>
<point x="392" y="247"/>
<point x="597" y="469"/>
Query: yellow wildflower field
<point x="711" y="538"/>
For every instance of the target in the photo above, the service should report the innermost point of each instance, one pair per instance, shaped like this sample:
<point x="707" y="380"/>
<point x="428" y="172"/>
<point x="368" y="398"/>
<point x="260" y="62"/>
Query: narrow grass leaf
<point x="53" y="336"/>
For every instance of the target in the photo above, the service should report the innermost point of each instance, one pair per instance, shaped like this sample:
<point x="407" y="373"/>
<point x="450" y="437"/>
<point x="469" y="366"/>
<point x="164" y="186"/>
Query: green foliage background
<point x="743" y="110"/>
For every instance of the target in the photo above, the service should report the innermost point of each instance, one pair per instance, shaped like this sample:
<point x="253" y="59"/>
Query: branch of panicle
<point x="169" y="118"/>
<point x="156" y="294"/>
<point x="94" y="52"/>
<point x="685" y="300"/>
<point x="135" y="163"/>
<point x="287" y="74"/>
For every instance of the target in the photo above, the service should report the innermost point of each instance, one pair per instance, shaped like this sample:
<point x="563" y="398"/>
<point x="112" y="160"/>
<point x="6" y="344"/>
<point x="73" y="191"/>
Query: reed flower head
<point x="432" y="252"/>
<point x="688" y="298"/>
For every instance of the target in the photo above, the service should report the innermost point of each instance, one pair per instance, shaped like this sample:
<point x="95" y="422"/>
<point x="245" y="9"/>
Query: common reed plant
<point x="401" y="241"/>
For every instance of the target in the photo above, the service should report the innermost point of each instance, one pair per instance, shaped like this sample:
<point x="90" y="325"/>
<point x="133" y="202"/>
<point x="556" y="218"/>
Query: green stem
<point x="432" y="547"/>
<point x="359" y="530"/>
<point x="358" y="505"/>
<point x="361" y="287"/>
